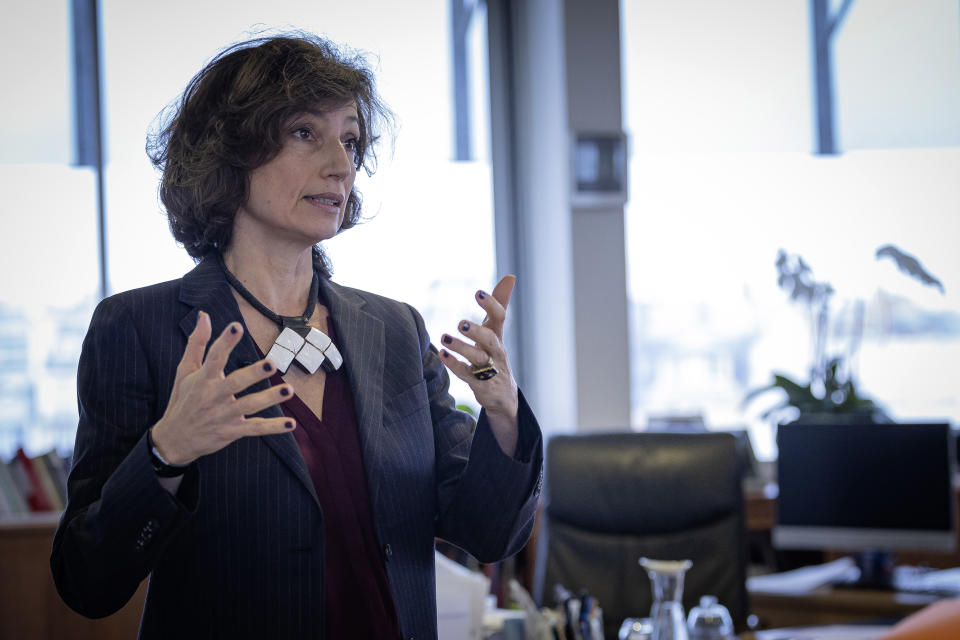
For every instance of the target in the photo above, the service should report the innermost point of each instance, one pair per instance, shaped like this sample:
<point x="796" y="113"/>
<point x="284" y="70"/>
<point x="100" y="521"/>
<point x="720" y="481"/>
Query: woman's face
<point x="299" y="197"/>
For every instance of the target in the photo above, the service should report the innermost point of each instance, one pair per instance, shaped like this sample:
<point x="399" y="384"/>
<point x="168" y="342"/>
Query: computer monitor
<point x="883" y="487"/>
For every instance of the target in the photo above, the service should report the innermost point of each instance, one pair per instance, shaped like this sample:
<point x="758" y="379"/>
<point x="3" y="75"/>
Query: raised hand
<point x="497" y="394"/>
<point x="204" y="415"/>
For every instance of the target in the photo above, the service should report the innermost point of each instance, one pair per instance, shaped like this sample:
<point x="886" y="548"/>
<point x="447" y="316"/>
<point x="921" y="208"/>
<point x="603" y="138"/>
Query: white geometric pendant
<point x="311" y="351"/>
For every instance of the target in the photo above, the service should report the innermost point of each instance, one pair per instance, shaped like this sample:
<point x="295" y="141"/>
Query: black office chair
<point x="613" y="498"/>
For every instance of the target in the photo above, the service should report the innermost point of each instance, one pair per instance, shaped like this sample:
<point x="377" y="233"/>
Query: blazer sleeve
<point x="118" y="518"/>
<point x="486" y="499"/>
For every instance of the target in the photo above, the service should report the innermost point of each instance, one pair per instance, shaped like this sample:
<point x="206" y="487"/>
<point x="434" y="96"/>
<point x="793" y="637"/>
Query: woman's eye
<point x="303" y="133"/>
<point x="352" y="146"/>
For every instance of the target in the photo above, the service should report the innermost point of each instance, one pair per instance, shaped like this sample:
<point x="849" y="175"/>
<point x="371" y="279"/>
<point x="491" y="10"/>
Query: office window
<point x="48" y="251"/>
<point x="429" y="240"/>
<point x="720" y="118"/>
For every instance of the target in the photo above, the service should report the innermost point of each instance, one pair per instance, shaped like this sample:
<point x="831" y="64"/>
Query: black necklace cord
<point x="298" y="323"/>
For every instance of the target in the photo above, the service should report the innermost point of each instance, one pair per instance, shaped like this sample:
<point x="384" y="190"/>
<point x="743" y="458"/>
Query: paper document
<point x="944" y="581"/>
<point x="460" y="600"/>
<point x="805" y="579"/>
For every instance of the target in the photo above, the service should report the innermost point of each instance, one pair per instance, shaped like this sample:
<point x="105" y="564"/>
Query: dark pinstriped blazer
<point x="238" y="553"/>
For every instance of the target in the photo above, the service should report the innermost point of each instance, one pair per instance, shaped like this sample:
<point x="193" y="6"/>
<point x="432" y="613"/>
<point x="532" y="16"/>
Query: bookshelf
<point x="29" y="604"/>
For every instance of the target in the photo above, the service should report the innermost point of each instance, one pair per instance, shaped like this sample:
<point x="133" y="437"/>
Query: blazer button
<point x="388" y="551"/>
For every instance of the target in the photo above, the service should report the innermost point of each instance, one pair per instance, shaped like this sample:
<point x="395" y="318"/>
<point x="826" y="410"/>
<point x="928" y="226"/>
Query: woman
<point x="278" y="452"/>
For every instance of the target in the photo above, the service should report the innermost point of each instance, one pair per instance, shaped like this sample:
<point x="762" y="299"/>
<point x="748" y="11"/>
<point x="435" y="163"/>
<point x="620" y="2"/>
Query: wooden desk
<point x="832" y="606"/>
<point x="29" y="604"/>
<point x="828" y="605"/>
<point x="760" y="509"/>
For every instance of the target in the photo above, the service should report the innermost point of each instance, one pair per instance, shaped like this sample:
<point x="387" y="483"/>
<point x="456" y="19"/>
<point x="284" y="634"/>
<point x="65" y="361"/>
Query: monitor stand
<point x="876" y="571"/>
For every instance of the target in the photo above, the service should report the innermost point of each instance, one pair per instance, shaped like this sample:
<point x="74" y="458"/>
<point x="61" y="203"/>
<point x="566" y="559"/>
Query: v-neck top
<point x="358" y="603"/>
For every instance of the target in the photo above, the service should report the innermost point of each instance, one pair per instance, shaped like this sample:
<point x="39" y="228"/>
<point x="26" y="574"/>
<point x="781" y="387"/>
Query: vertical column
<point x="555" y="70"/>
<point x="530" y="154"/>
<point x="823" y="28"/>
<point x="460" y="16"/>
<point x="89" y="140"/>
<point x="593" y="96"/>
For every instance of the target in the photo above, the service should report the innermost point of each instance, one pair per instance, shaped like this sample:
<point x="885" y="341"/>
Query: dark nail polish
<point x="233" y="329"/>
<point x="447" y="339"/>
<point x="465" y="326"/>
<point x="444" y="354"/>
<point x="288" y="424"/>
<point x="284" y="391"/>
<point x="481" y="295"/>
<point x="267" y="366"/>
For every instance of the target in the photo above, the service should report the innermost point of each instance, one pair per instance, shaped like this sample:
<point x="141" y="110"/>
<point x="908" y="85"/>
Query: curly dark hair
<point x="229" y="120"/>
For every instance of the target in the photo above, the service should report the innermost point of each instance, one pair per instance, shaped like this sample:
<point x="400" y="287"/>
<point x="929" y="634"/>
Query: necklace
<point x="298" y="341"/>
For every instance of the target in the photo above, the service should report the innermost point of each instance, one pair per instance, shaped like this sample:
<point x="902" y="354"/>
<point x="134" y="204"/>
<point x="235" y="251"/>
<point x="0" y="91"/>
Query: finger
<point x="220" y="349"/>
<point x="504" y="290"/>
<point x="496" y="304"/>
<point x="485" y="338"/>
<point x="249" y="375"/>
<point x="196" y="344"/>
<point x="265" y="426"/>
<point x="253" y="403"/>
<point x="495" y="312"/>
<point x="460" y="369"/>
<point x="474" y="354"/>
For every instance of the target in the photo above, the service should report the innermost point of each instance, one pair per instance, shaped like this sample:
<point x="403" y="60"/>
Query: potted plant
<point x="830" y="394"/>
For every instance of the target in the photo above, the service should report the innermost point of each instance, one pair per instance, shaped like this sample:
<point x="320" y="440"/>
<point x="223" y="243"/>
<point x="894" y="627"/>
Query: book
<point x="11" y="491"/>
<point x="20" y="480"/>
<point x="26" y="476"/>
<point x="47" y="483"/>
<point x="59" y="472"/>
<point x="5" y="507"/>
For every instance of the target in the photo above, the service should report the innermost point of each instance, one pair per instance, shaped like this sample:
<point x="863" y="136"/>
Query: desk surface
<point x="828" y="605"/>
<point x="819" y="632"/>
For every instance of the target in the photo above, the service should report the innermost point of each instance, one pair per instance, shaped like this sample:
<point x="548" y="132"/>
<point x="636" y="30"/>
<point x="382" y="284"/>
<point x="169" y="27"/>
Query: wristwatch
<point x="161" y="467"/>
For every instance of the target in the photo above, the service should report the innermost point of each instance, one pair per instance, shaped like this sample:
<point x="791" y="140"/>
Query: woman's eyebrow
<point x="324" y="114"/>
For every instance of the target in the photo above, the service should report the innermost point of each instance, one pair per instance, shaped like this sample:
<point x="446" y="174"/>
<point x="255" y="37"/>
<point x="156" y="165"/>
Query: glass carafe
<point x="666" y="582"/>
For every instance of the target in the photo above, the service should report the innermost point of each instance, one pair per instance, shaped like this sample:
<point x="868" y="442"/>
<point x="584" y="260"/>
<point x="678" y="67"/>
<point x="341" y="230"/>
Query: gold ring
<point x="485" y="371"/>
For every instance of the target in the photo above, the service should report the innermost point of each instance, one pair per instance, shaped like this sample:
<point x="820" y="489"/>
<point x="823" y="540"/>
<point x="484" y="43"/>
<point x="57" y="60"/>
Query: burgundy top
<point x="358" y="600"/>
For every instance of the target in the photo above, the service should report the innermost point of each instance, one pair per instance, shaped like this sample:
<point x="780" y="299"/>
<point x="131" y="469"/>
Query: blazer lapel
<point x="360" y="337"/>
<point x="206" y="289"/>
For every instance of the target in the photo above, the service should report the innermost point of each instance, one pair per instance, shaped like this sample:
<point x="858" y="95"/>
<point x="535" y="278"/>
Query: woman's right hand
<point x="204" y="415"/>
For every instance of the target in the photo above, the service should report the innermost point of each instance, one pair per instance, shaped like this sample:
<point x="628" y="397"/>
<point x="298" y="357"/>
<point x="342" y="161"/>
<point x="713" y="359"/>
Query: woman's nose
<point x="339" y="160"/>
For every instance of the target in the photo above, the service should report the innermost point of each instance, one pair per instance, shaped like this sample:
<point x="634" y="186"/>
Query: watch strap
<point x="161" y="467"/>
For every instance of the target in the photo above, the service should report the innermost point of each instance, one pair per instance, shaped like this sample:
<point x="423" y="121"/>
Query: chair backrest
<point x="613" y="498"/>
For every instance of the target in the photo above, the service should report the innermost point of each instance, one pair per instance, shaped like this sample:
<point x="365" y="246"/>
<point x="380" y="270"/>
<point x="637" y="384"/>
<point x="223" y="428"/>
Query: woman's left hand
<point x="497" y="394"/>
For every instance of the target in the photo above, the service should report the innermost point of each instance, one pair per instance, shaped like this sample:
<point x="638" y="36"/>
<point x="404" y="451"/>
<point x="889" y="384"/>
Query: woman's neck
<point x="278" y="279"/>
